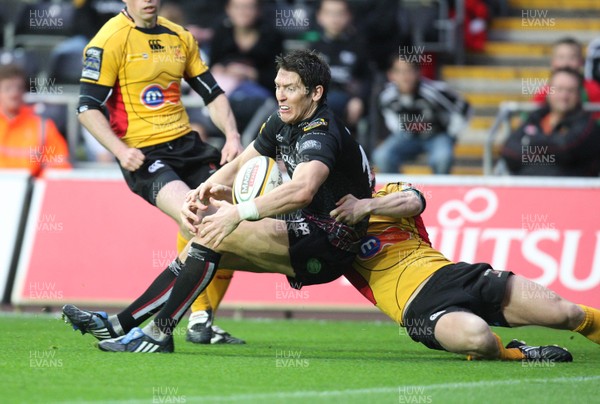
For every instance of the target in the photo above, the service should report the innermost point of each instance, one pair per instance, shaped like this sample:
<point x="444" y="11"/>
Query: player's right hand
<point x="131" y="158"/>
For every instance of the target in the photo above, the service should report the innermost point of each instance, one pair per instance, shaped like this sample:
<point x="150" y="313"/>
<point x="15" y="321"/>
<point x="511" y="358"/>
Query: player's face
<point x="296" y="102"/>
<point x="334" y="17"/>
<point x="11" y="94"/>
<point x="143" y="12"/>
<point x="242" y="13"/>
<point x="564" y="95"/>
<point x="566" y="55"/>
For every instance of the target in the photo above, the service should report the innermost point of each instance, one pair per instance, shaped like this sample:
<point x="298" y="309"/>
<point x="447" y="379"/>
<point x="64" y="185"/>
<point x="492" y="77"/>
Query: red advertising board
<point x="93" y="241"/>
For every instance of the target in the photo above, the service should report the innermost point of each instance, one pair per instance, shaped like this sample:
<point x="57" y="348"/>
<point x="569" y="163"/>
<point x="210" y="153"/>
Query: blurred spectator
<point x="384" y="29"/>
<point x="422" y="116"/>
<point x="344" y="50"/>
<point x="242" y="38"/>
<point x="568" y="52"/>
<point x="199" y="17"/>
<point x="26" y="139"/>
<point x="560" y="139"/>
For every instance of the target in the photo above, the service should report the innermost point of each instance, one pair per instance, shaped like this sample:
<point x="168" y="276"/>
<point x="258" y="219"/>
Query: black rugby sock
<point x="152" y="299"/>
<point x="199" y="269"/>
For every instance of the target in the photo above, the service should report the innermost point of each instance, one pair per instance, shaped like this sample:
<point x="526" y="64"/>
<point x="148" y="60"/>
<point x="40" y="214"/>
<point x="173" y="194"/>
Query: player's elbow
<point x="303" y="196"/>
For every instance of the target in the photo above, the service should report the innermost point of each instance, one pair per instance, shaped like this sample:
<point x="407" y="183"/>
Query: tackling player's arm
<point x="91" y="100"/>
<point x="291" y="196"/>
<point x="405" y="202"/>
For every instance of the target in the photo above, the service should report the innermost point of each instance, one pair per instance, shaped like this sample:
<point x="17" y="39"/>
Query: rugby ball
<point x="257" y="176"/>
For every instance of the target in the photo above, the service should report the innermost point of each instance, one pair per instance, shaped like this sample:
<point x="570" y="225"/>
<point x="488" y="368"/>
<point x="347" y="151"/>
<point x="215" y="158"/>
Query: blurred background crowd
<point x="427" y="86"/>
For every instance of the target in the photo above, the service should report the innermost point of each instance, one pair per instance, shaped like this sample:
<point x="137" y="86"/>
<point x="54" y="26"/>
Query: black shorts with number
<point x="186" y="158"/>
<point x="474" y="288"/>
<point x="313" y="257"/>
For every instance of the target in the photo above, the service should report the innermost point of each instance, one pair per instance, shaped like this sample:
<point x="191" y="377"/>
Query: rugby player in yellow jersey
<point x="445" y="305"/>
<point x="133" y="67"/>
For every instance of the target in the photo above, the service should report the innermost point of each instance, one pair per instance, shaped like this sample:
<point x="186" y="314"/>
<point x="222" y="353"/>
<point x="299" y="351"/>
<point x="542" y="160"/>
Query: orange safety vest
<point x="32" y="142"/>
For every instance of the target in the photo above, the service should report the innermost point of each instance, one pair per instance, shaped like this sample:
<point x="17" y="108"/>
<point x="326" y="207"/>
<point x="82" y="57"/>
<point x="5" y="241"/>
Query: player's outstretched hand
<point x="208" y="190"/>
<point x="219" y="225"/>
<point x="131" y="158"/>
<point x="350" y="210"/>
<point x="189" y="215"/>
<point x="232" y="148"/>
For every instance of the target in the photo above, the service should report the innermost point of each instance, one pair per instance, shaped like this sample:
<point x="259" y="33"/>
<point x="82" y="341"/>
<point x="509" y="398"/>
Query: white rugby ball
<point x="257" y="176"/>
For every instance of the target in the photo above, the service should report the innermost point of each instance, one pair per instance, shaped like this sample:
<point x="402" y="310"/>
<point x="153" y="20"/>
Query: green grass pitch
<point x="42" y="360"/>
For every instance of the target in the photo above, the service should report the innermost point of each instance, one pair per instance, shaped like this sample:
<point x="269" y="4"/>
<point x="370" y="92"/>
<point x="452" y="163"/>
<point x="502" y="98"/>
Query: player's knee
<point x="476" y="335"/>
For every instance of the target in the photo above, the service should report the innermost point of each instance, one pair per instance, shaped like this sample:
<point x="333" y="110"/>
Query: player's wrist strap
<point x="248" y="211"/>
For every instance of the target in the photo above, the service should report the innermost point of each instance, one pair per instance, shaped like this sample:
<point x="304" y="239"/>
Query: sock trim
<point x="587" y="320"/>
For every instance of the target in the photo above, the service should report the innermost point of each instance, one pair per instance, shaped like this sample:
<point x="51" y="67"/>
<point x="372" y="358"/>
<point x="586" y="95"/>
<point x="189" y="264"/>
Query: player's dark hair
<point x="570" y="71"/>
<point x="311" y="68"/>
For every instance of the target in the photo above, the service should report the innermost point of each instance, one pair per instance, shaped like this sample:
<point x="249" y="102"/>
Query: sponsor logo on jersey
<point x="155" y="45"/>
<point x="370" y="246"/>
<point x="92" y="63"/>
<point x="157" y="165"/>
<point x="279" y="137"/>
<point x="373" y="244"/>
<point x="155" y="96"/>
<point x="315" y="124"/>
<point x="309" y="144"/>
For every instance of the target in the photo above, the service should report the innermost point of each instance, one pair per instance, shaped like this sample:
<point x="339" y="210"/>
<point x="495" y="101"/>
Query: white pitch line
<point x="367" y="391"/>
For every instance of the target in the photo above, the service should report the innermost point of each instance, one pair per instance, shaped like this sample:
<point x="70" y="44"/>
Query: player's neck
<point x="141" y="23"/>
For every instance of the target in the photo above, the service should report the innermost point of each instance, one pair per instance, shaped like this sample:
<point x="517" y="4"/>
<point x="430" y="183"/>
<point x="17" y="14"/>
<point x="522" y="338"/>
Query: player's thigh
<point x="529" y="303"/>
<point x="263" y="243"/>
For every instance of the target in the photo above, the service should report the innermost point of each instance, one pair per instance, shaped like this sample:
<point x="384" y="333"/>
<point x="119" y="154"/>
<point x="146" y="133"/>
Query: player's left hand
<point x="189" y="215"/>
<point x="219" y="225"/>
<point x="350" y="210"/>
<point x="231" y="149"/>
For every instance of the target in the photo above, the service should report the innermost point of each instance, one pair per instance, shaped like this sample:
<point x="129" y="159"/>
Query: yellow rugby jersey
<point x="144" y="68"/>
<point x="394" y="259"/>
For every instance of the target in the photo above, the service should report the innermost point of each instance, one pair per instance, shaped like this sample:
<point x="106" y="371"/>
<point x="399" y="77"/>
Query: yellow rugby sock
<point x="218" y="287"/>
<point x="202" y="302"/>
<point x="590" y="326"/>
<point x="181" y="242"/>
<point x="508" y="354"/>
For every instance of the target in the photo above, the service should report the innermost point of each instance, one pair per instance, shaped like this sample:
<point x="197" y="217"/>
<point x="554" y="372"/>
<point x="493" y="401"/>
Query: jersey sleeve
<point x="194" y="65"/>
<point x="265" y="142"/>
<point x="319" y="144"/>
<point x="101" y="60"/>
<point x="392" y="187"/>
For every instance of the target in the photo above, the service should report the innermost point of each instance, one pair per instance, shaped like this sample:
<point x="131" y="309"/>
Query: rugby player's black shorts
<point x="186" y="158"/>
<point x="313" y="257"/>
<point x="473" y="288"/>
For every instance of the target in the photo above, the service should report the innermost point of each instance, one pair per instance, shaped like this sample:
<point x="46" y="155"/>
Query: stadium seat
<point x="65" y="67"/>
<point x="43" y="24"/>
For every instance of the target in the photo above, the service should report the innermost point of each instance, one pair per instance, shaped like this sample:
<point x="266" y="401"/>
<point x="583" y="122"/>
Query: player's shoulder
<point x="272" y="125"/>
<point x="321" y="123"/>
<point x="173" y="27"/>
